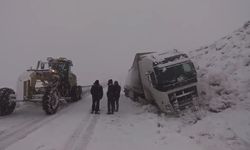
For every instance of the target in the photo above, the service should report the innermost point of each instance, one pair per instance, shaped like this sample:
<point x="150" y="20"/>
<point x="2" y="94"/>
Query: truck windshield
<point x="175" y="74"/>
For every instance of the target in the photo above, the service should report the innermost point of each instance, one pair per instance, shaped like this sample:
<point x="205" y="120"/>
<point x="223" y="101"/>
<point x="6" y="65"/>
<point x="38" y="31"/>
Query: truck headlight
<point x="194" y="97"/>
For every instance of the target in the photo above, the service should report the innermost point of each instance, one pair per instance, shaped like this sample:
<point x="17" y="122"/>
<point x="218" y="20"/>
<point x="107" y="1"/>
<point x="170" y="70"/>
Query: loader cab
<point x="42" y="66"/>
<point x="61" y="66"/>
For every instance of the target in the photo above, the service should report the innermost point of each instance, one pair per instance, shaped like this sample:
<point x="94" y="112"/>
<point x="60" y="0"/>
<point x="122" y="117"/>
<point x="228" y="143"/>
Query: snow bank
<point x="224" y="88"/>
<point x="224" y="69"/>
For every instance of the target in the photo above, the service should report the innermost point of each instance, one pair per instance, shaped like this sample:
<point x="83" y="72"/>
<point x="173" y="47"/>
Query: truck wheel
<point x="126" y="92"/>
<point x="73" y="94"/>
<point x="50" y="102"/>
<point x="6" y="105"/>
<point x="135" y="97"/>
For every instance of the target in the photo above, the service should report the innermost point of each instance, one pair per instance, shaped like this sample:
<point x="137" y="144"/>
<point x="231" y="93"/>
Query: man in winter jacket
<point x="110" y="96"/>
<point x="117" y="91"/>
<point x="97" y="94"/>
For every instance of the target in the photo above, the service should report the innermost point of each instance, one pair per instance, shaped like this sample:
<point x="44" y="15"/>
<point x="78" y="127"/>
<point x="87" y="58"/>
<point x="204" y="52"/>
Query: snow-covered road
<point x="74" y="128"/>
<point x="133" y="127"/>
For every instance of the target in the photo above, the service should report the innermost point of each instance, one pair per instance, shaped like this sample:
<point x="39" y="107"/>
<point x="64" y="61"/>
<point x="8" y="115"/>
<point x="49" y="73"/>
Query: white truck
<point x="167" y="79"/>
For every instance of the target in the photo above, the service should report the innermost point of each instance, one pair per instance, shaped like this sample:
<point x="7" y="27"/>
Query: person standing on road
<point x="117" y="91"/>
<point x="110" y="96"/>
<point x="97" y="94"/>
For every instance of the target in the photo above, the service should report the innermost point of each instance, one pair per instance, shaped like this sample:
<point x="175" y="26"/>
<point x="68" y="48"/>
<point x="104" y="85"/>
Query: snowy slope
<point x="224" y="70"/>
<point x="224" y="83"/>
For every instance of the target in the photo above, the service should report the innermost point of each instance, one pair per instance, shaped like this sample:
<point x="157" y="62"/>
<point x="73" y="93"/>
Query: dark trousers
<point x="95" y="104"/>
<point x="116" y="103"/>
<point x="111" y="105"/>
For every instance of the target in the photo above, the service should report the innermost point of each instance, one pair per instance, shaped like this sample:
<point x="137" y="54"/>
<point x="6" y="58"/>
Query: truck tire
<point x="50" y="102"/>
<point x="126" y="92"/>
<point x="135" y="97"/>
<point x="73" y="94"/>
<point x="6" y="105"/>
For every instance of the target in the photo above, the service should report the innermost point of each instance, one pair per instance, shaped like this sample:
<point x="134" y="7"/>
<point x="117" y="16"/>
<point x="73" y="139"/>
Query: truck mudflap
<point x="183" y="98"/>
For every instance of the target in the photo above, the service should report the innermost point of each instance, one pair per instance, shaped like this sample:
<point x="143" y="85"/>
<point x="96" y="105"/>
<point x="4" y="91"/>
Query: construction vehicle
<point x="51" y="83"/>
<point x="167" y="79"/>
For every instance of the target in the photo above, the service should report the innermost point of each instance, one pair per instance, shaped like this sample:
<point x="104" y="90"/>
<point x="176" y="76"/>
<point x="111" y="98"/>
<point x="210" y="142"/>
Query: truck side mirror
<point x="148" y="74"/>
<point x="152" y="78"/>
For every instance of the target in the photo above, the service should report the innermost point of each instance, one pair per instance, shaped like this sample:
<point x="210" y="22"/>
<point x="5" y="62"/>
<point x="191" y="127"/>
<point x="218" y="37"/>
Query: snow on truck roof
<point x="164" y="58"/>
<point x="160" y="56"/>
<point x="138" y="56"/>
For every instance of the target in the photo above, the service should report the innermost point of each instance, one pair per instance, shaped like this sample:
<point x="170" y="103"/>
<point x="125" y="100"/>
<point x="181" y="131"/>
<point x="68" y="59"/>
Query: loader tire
<point x="6" y="105"/>
<point x="50" y="102"/>
<point x="76" y="93"/>
<point x="79" y="92"/>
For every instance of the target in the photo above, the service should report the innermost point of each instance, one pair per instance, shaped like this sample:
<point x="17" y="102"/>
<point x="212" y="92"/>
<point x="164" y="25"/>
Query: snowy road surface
<point x="74" y="128"/>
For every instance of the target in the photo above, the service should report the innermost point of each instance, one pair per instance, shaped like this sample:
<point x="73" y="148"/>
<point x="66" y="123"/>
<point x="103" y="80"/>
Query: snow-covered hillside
<point x="224" y="84"/>
<point x="224" y="70"/>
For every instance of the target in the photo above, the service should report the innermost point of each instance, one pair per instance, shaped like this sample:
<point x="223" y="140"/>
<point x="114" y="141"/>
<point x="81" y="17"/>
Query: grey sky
<point x="102" y="36"/>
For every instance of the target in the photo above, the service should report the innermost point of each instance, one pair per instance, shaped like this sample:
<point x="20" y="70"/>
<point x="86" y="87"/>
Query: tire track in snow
<point x="22" y="132"/>
<point x="82" y="135"/>
<point x="86" y="137"/>
<point x="10" y="137"/>
<point x="11" y="131"/>
<point x="77" y="133"/>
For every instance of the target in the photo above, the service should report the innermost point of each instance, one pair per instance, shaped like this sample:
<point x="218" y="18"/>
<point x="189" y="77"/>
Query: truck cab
<point x="167" y="79"/>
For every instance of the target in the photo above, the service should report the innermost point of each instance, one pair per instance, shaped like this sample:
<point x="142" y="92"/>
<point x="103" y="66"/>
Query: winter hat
<point x="96" y="82"/>
<point x="110" y="81"/>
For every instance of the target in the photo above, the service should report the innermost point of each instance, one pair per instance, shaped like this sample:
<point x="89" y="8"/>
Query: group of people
<point x="113" y="95"/>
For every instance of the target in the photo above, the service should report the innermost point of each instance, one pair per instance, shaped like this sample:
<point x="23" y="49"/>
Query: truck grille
<point x="183" y="98"/>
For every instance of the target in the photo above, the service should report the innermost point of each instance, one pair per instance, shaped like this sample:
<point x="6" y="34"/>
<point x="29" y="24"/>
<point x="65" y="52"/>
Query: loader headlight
<point x="53" y="71"/>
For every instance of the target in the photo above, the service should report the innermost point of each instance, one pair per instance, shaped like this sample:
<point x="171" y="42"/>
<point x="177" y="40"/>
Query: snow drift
<point x="224" y="88"/>
<point x="224" y="71"/>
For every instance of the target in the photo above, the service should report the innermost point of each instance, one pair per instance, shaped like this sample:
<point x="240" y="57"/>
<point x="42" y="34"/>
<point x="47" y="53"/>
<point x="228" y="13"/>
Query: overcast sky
<point x="101" y="37"/>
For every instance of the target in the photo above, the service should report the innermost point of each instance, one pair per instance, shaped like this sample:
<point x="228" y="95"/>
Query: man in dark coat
<point x="117" y="91"/>
<point x="97" y="94"/>
<point x="110" y="96"/>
